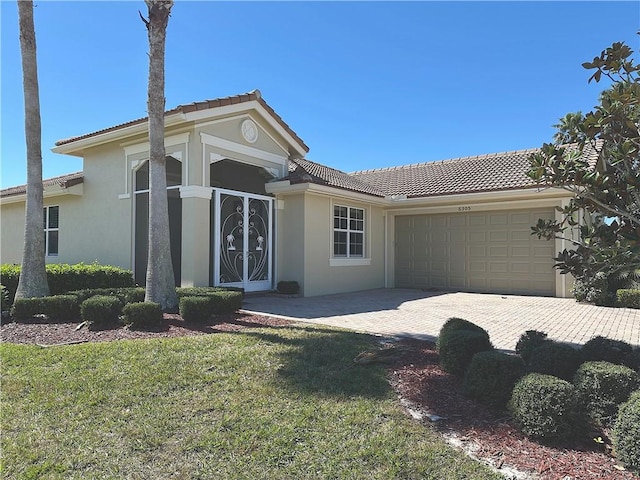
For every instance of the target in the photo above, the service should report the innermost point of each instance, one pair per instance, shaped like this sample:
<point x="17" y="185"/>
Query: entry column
<point x="196" y="235"/>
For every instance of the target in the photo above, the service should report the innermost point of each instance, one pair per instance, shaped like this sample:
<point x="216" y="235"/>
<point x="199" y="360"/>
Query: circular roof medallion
<point x="249" y="131"/>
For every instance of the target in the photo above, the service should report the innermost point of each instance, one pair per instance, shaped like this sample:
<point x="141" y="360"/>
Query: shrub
<point x="58" y="308"/>
<point x="101" y="311"/>
<point x="457" y="349"/>
<point x="141" y="314"/>
<point x="288" y="287"/>
<point x="632" y="359"/>
<point x="626" y="432"/>
<point x="124" y="294"/>
<point x="601" y="387"/>
<point x="205" y="291"/>
<point x="491" y="376"/>
<point x="454" y="324"/>
<point x="196" y="309"/>
<point x="4" y="298"/>
<point x="555" y="358"/>
<point x="606" y="350"/>
<point x="528" y="342"/>
<point x="545" y="408"/>
<point x="628" y="297"/>
<point x="63" y="278"/>
<point x="228" y="302"/>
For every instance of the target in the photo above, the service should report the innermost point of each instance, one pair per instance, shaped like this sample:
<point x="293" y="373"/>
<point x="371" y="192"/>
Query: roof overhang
<point x="49" y="192"/>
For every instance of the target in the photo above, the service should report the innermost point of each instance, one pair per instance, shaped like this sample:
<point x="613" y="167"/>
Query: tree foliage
<point x="597" y="157"/>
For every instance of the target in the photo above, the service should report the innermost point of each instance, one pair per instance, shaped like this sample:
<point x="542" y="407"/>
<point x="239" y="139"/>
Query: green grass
<point x="262" y="404"/>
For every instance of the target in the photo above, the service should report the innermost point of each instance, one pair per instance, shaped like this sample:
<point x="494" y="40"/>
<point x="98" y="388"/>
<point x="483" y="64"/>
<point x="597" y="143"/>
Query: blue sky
<point x="364" y="84"/>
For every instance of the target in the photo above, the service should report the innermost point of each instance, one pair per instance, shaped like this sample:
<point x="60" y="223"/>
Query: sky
<point x="364" y="84"/>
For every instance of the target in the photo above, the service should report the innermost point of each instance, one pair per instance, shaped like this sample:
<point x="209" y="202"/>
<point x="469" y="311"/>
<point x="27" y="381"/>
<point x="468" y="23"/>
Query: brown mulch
<point x="417" y="379"/>
<point x="490" y="435"/>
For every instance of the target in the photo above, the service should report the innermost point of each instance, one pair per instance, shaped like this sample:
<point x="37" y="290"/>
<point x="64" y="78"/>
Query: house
<point x="246" y="208"/>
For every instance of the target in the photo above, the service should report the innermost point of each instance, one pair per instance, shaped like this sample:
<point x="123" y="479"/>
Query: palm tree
<point x="160" y="283"/>
<point x="33" y="276"/>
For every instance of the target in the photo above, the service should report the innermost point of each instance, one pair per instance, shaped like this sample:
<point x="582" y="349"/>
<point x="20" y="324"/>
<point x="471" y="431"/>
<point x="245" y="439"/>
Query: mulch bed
<point x="420" y="383"/>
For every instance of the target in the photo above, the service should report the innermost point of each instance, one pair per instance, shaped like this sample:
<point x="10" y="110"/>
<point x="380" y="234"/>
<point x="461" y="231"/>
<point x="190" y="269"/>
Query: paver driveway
<point x="415" y="313"/>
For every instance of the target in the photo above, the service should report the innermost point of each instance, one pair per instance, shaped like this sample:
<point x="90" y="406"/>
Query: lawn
<point x="260" y="404"/>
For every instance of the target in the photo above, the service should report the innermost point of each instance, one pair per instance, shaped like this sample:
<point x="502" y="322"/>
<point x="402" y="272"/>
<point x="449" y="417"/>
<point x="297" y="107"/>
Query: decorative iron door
<point x="242" y="238"/>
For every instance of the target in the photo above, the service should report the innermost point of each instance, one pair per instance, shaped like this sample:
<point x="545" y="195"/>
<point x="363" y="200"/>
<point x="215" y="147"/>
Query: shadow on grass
<point x="320" y="361"/>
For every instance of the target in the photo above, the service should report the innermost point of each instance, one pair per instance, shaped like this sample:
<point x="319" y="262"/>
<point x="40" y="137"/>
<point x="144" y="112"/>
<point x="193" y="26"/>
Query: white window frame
<point x="348" y="230"/>
<point x="48" y="229"/>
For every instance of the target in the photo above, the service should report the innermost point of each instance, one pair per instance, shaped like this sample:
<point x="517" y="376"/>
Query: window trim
<point x="349" y="259"/>
<point x="47" y="229"/>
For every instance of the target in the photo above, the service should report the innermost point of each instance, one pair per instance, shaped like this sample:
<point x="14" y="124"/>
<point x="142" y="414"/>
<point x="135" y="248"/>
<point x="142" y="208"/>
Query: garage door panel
<point x="478" y="251"/>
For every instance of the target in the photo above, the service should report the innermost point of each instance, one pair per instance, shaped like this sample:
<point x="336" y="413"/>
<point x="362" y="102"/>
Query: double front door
<point x="242" y="240"/>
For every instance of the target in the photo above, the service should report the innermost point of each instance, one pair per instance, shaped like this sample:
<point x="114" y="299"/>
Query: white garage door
<point x="475" y="252"/>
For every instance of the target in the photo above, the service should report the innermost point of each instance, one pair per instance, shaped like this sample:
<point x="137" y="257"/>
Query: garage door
<point x="475" y="251"/>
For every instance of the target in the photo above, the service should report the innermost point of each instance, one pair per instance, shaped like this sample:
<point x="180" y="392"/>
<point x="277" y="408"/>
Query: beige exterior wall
<point x="305" y="245"/>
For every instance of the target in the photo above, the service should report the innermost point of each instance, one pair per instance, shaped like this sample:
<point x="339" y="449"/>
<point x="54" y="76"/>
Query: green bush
<point x="545" y="408"/>
<point x="124" y="294"/>
<point x="288" y="287"/>
<point x="628" y="297"/>
<point x="4" y="298"/>
<point x="205" y="291"/>
<point x="228" y="302"/>
<point x="454" y="324"/>
<point x="601" y="387"/>
<point x="457" y="349"/>
<point x="196" y="309"/>
<point x="101" y="311"/>
<point x="626" y="433"/>
<point x="63" y="278"/>
<point x="142" y="315"/>
<point x="555" y="358"/>
<point x="606" y="350"/>
<point x="491" y="376"/>
<point x="528" y="342"/>
<point x="632" y="360"/>
<point x="57" y="308"/>
<point x="9" y="276"/>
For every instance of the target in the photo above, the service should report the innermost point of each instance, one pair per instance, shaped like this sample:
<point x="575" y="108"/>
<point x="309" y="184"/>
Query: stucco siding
<point x="11" y="232"/>
<point x="290" y="240"/>
<point x="321" y="277"/>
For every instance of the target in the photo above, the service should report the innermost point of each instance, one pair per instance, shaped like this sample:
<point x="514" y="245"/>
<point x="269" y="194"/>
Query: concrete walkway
<point x="404" y="312"/>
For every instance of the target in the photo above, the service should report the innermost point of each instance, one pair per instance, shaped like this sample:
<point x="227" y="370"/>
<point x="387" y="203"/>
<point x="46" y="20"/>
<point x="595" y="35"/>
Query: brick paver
<point x="404" y="312"/>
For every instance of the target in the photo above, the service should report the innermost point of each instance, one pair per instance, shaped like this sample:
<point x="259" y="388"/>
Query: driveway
<point x="414" y="313"/>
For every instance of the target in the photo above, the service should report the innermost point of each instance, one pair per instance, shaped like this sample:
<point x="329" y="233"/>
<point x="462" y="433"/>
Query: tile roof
<point x="196" y="106"/>
<point x="64" y="181"/>
<point x="306" y="171"/>
<point x="481" y="173"/>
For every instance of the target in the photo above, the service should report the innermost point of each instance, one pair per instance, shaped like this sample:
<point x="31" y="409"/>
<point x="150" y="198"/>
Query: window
<point x="348" y="232"/>
<point x="51" y="229"/>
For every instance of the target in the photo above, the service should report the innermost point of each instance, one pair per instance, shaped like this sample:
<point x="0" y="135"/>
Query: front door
<point x="242" y="236"/>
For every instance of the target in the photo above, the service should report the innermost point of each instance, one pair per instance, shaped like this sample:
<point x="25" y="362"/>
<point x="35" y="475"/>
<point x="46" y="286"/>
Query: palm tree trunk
<point x="33" y="276"/>
<point x="160" y="285"/>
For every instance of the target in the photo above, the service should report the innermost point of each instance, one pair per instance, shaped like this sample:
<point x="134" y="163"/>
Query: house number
<point x="464" y="209"/>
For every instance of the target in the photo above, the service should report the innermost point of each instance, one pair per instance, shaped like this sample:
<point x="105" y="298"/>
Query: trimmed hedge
<point x="64" y="278"/>
<point x="454" y="324"/>
<point x="528" y="342"/>
<point x="601" y="387"/>
<point x="4" y="298"/>
<point x="57" y="308"/>
<point x="457" y="349"/>
<point x="124" y="294"/>
<point x="604" y="349"/>
<point x="555" y="358"/>
<point x="626" y="433"/>
<point x="545" y="408"/>
<point x="196" y="309"/>
<point x="142" y="315"/>
<point x="628" y="298"/>
<point x="491" y="377"/>
<point x="101" y="311"/>
<point x="288" y="287"/>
